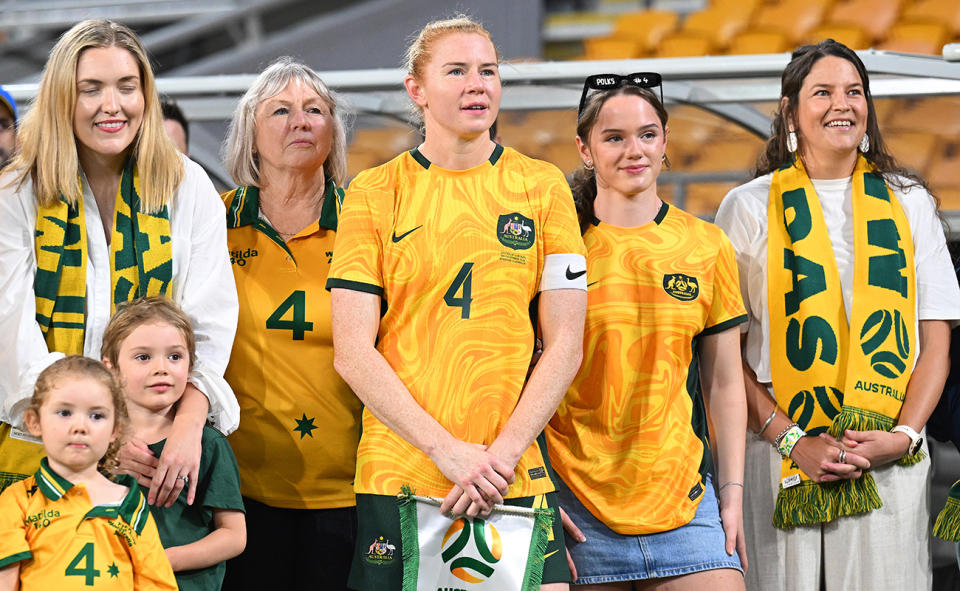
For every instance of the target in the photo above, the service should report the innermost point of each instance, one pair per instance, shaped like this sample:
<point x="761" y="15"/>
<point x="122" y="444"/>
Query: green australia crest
<point x="516" y="231"/>
<point x="680" y="286"/>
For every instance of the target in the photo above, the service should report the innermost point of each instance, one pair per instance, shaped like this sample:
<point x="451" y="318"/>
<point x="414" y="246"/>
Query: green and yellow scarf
<point x="141" y="257"/>
<point x="825" y="381"/>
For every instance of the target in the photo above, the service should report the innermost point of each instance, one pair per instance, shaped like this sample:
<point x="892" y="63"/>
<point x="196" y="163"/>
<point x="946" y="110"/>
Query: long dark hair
<point x="775" y="153"/>
<point x="584" y="183"/>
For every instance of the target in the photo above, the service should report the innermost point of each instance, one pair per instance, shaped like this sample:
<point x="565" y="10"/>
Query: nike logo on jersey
<point x="571" y="275"/>
<point x="404" y="235"/>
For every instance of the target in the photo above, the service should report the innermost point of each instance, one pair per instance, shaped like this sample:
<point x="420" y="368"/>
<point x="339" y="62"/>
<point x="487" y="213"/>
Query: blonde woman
<point x="99" y="208"/>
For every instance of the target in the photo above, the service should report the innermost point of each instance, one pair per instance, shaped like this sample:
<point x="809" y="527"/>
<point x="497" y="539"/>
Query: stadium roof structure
<point x="728" y="86"/>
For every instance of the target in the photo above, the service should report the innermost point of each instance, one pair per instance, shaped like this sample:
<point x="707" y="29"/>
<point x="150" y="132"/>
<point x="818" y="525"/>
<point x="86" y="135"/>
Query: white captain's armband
<point x="564" y="271"/>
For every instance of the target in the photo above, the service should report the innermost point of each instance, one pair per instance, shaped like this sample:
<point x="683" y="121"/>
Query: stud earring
<point x="791" y="141"/>
<point x="588" y="164"/>
<point x="865" y="144"/>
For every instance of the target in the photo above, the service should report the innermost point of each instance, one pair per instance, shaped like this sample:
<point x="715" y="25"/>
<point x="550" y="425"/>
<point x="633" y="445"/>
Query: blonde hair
<point x="239" y="154"/>
<point x="48" y="150"/>
<point x="154" y="309"/>
<point x="78" y="366"/>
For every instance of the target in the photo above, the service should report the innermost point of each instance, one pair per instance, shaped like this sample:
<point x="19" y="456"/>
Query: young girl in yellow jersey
<point x="68" y="526"/>
<point x="150" y="345"/>
<point x="629" y="442"/>
<point x="454" y="239"/>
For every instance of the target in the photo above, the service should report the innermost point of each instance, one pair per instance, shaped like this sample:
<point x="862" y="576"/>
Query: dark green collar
<point x="422" y="160"/>
<point x="133" y="509"/>
<point x="244" y="206"/>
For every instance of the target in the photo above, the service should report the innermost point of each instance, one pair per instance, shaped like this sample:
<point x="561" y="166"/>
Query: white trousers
<point x="886" y="549"/>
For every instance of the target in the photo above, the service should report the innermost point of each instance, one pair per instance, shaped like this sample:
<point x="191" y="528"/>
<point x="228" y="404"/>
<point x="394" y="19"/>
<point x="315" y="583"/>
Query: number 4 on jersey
<point x="89" y="573"/>
<point x="462" y="283"/>
<point x="298" y="325"/>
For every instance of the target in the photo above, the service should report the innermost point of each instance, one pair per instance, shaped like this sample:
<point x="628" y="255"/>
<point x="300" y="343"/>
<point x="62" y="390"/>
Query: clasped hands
<point x="826" y="459"/>
<point x="480" y="476"/>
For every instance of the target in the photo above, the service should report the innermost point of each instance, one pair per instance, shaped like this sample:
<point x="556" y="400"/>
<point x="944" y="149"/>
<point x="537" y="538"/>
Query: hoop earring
<point x="791" y="141"/>
<point x="865" y="143"/>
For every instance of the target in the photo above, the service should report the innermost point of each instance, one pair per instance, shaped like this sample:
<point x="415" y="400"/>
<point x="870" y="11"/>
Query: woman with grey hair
<point x="299" y="428"/>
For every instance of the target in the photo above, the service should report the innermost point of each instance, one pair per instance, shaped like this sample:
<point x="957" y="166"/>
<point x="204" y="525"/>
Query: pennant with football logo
<point x="503" y="551"/>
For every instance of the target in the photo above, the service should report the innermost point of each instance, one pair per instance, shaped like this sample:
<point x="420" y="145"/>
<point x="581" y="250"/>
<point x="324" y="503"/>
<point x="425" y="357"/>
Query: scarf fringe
<point x="947" y="526"/>
<point x="858" y="419"/>
<point x="542" y="526"/>
<point x="409" y="537"/>
<point x="810" y="503"/>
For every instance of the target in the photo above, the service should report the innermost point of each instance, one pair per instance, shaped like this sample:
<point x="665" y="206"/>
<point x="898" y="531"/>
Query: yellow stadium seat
<point x="948" y="195"/>
<point x="753" y="42"/>
<point x="946" y="12"/>
<point x="720" y="23"/>
<point x="683" y="44"/>
<point x="945" y="168"/>
<point x="647" y="27"/>
<point x="913" y="149"/>
<point x="612" y="48"/>
<point x="852" y="36"/>
<point x="939" y="116"/>
<point x="794" y="18"/>
<point x="873" y="16"/>
<point x="702" y="199"/>
<point x="725" y="155"/>
<point x="748" y="7"/>
<point x="917" y="37"/>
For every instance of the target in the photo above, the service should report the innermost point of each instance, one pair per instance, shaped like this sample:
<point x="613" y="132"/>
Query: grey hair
<point x="238" y="149"/>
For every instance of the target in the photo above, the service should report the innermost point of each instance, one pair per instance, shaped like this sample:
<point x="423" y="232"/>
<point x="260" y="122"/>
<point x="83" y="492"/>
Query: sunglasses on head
<point x="611" y="81"/>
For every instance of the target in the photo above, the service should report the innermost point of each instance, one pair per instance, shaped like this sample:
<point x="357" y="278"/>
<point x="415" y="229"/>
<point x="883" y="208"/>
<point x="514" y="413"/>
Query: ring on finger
<point x="185" y="479"/>
<point x="843" y="456"/>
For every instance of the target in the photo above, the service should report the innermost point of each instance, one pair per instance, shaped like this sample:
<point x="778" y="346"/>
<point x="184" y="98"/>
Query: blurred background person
<point x="177" y="126"/>
<point x="8" y="127"/>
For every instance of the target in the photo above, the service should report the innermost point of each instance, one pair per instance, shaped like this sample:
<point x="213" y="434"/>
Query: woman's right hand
<point x="819" y="459"/>
<point x="138" y="461"/>
<point x="480" y="478"/>
<point x="574" y="532"/>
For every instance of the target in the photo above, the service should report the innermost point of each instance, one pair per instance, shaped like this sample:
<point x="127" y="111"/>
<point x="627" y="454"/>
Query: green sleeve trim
<point x="15" y="558"/>
<point x="334" y="283"/>
<point x="724" y="325"/>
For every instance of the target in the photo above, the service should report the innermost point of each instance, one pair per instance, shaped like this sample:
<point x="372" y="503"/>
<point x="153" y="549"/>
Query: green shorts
<point x="377" y="562"/>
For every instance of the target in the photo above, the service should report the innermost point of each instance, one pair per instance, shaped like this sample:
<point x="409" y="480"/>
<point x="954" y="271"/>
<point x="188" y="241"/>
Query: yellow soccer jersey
<point x="457" y="257"/>
<point x="630" y="437"/>
<point x="299" y="421"/>
<point x="63" y="542"/>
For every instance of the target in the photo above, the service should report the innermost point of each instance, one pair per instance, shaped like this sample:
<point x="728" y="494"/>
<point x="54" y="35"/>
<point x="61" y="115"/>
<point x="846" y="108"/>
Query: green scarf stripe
<point x="874" y="186"/>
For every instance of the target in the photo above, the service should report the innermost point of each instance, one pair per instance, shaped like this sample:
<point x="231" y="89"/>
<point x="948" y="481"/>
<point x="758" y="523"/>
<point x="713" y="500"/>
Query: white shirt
<point x="202" y="285"/>
<point x="743" y="216"/>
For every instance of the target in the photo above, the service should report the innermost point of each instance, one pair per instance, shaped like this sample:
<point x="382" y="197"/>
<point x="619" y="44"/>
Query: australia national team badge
<point x="682" y="287"/>
<point x="380" y="552"/>
<point x="515" y="231"/>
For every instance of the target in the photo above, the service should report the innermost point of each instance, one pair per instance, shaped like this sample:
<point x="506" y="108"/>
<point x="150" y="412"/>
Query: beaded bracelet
<point x="767" y="423"/>
<point x="788" y="439"/>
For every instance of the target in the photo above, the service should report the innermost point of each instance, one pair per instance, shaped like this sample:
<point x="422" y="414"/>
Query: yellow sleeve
<point x="151" y="568"/>
<point x="726" y="309"/>
<point x="13" y="534"/>
<point x="357" y="251"/>
<point x="561" y="228"/>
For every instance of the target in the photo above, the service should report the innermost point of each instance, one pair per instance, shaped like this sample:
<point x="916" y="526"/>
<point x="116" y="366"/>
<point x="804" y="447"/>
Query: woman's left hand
<point x="731" y="518"/>
<point x="179" y="463"/>
<point x="880" y="447"/>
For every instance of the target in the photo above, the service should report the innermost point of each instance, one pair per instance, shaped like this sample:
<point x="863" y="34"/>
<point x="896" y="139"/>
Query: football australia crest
<point x="680" y="286"/>
<point x="516" y="231"/>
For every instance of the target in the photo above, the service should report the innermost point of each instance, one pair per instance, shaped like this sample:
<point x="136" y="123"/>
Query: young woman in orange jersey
<point x="630" y="442"/>
<point x="454" y="239"/>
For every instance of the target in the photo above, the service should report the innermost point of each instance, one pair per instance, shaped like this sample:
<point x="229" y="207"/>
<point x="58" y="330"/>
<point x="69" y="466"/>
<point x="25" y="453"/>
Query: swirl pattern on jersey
<point x="457" y="329"/>
<point x="629" y="433"/>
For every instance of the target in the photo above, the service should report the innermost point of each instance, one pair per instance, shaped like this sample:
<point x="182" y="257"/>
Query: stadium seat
<point x="938" y="116"/>
<point x="913" y="149"/>
<point x="873" y="16"/>
<point x="945" y="168"/>
<point x="917" y="37"/>
<point x="794" y="18"/>
<point x="948" y="196"/>
<point x="754" y="42"/>
<point x="612" y="48"/>
<point x="684" y="44"/>
<point x="702" y="199"/>
<point x="850" y="35"/>
<point x="647" y="27"/>
<point x="720" y="23"/>
<point x="725" y="155"/>
<point x="946" y="12"/>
